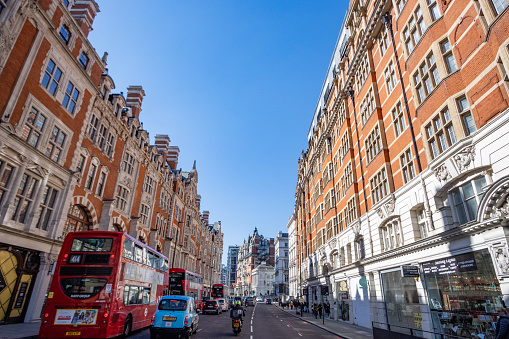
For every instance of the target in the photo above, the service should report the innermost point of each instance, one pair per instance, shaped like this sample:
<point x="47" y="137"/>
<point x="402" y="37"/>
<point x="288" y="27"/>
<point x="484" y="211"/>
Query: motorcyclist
<point x="234" y="312"/>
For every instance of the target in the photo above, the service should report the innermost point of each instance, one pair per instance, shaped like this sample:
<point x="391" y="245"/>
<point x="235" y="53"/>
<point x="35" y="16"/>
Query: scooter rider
<point x="234" y="312"/>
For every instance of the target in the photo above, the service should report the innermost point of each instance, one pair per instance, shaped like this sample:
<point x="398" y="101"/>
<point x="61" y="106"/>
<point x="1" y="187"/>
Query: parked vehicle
<point x="175" y="315"/>
<point x="212" y="306"/>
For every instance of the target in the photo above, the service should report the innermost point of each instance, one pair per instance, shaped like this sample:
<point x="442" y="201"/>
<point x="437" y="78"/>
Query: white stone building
<point x="262" y="280"/>
<point x="281" y="265"/>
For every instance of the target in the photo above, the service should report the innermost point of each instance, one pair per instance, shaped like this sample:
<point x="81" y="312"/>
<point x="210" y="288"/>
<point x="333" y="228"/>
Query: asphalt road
<point x="261" y="322"/>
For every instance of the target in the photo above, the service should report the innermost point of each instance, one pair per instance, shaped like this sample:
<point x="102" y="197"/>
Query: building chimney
<point x="84" y="12"/>
<point x="173" y="157"/>
<point x="162" y="145"/>
<point x="205" y="216"/>
<point x="134" y="99"/>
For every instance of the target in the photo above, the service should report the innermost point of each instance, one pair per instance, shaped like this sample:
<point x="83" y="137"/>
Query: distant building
<point x="231" y="266"/>
<point x="224" y="275"/>
<point x="281" y="267"/>
<point x="253" y="251"/>
<point x="293" y="273"/>
<point x="263" y="280"/>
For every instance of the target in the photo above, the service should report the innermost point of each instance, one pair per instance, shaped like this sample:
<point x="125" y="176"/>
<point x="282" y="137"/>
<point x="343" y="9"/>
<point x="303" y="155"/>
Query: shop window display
<point x="464" y="294"/>
<point x="402" y="303"/>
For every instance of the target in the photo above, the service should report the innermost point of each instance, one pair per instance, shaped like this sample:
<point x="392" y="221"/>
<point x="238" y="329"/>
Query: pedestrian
<point x="502" y="329"/>
<point x="315" y="310"/>
<point x="320" y="309"/>
<point x="327" y="308"/>
<point x="291" y="305"/>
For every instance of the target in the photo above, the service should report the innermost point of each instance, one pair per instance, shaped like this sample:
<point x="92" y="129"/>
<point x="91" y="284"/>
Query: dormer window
<point x="65" y="34"/>
<point x="66" y="3"/>
<point x="84" y="60"/>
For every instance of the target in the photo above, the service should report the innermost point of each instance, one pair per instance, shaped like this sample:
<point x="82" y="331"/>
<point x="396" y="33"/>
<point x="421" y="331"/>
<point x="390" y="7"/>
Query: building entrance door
<point x="18" y="270"/>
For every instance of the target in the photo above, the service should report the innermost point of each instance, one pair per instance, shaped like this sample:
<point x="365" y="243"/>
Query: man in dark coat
<point x="502" y="328"/>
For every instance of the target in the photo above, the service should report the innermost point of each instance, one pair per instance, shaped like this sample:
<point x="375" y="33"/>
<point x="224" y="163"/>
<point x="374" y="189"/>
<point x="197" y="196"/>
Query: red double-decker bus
<point x="186" y="283"/>
<point x="105" y="284"/>
<point x="219" y="291"/>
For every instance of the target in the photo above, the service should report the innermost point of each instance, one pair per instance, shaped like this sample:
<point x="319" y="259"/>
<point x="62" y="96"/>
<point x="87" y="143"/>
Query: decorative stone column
<point x="105" y="220"/>
<point x="35" y="213"/>
<point x="8" y="209"/>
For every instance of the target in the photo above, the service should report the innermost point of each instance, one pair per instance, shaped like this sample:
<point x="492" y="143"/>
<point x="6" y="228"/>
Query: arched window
<point x="77" y="220"/>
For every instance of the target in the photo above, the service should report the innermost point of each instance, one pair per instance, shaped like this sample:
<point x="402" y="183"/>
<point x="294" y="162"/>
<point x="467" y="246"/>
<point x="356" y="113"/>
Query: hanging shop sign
<point x="409" y="271"/>
<point x="456" y="264"/>
<point x="343" y="286"/>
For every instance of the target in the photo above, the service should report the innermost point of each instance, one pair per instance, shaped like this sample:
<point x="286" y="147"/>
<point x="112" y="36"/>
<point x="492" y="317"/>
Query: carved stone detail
<point x="501" y="259"/>
<point x="390" y="206"/>
<point x="380" y="213"/>
<point x="442" y="173"/>
<point x="464" y="158"/>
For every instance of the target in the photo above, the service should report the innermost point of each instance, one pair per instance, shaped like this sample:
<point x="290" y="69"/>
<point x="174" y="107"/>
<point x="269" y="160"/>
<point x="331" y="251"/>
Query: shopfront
<point x="18" y="270"/>
<point x="401" y="302"/>
<point x="464" y="294"/>
<point x="343" y="300"/>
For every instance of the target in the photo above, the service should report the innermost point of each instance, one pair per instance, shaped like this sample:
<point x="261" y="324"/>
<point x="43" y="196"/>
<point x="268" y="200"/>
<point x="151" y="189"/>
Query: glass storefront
<point x="402" y="303"/>
<point x="343" y="302"/>
<point x="463" y="294"/>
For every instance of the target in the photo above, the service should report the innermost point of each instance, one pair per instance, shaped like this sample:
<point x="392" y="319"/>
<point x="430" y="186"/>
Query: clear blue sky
<point x="234" y="83"/>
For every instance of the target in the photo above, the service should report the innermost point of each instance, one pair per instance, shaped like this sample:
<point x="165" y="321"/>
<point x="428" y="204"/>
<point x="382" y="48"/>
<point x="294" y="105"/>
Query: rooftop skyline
<point x="235" y="86"/>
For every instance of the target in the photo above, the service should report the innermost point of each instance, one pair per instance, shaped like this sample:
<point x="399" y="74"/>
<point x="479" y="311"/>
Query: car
<point x="175" y="315"/>
<point x="250" y="301"/>
<point x="212" y="306"/>
<point x="259" y="299"/>
<point x="268" y="301"/>
<point x="223" y="304"/>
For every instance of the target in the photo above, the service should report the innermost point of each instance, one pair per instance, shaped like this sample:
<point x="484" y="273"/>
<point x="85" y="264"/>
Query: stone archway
<point x="78" y="219"/>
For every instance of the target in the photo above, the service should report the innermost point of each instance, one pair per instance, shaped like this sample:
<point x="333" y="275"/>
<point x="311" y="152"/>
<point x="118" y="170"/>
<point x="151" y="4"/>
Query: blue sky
<point x="234" y="83"/>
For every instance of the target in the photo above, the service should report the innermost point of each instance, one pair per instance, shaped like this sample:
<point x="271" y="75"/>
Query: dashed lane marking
<point x="251" y="329"/>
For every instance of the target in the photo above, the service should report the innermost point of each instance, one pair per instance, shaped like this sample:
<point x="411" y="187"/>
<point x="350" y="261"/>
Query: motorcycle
<point x="237" y="326"/>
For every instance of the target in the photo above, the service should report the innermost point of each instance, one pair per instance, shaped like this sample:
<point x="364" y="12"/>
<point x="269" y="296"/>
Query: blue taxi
<point x="175" y="316"/>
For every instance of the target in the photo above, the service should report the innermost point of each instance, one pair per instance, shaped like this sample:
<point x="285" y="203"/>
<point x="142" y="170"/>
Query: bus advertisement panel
<point x="105" y="284"/>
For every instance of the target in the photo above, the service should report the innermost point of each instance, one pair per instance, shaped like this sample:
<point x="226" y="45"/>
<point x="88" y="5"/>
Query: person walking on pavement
<point x="327" y="308"/>
<point x="502" y="328"/>
<point x="315" y="310"/>
<point x="291" y="305"/>
<point x="320" y="309"/>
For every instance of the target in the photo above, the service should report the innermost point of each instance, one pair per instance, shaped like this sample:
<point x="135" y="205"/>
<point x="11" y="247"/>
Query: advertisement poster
<point x="76" y="317"/>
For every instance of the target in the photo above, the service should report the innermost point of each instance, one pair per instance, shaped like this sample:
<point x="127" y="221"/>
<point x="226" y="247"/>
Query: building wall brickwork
<point x="74" y="155"/>
<point x="394" y="151"/>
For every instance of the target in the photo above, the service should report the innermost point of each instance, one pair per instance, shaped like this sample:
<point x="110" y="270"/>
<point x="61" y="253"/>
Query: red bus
<point x="186" y="283"/>
<point x="105" y="284"/>
<point x="220" y="291"/>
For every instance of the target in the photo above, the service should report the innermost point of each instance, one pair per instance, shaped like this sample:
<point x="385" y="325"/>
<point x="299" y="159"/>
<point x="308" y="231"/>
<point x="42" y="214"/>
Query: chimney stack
<point x="84" y="12"/>
<point x="173" y="157"/>
<point x="134" y="99"/>
<point x="205" y="216"/>
<point x="162" y="145"/>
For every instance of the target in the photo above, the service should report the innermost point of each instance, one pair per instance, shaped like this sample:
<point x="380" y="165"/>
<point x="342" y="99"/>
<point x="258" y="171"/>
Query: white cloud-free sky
<point x="234" y="83"/>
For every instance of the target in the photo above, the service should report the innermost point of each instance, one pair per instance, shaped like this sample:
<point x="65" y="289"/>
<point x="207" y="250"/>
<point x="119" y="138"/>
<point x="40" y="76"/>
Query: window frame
<point x="447" y="55"/>
<point x="49" y="78"/>
<point x="66" y="38"/>
<point x="71" y="98"/>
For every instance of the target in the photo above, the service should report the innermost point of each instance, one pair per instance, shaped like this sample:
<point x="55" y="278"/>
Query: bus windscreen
<point x="91" y="245"/>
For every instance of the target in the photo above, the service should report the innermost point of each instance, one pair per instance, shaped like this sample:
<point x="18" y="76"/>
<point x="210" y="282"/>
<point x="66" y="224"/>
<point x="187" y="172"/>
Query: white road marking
<point x="198" y="330"/>
<point x="299" y="334"/>
<point x="251" y="321"/>
<point x="251" y="329"/>
<point x="287" y="325"/>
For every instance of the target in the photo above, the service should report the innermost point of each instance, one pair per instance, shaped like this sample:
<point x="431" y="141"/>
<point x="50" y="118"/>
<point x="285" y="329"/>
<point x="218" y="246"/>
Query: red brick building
<point x="407" y="165"/>
<point x="74" y="156"/>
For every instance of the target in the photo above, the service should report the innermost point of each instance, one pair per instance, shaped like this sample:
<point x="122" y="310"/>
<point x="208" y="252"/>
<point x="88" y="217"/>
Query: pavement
<point x="20" y="331"/>
<point x="340" y="328"/>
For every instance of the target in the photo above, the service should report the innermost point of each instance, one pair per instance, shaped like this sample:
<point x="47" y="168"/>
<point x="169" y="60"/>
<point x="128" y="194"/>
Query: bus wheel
<point x="128" y="325"/>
